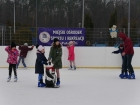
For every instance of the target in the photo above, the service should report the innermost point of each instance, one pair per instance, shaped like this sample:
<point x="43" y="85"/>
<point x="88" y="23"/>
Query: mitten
<point x="49" y="63"/>
<point x="44" y="63"/>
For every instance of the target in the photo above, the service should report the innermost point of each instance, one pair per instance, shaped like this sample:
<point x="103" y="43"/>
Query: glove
<point x="49" y="63"/>
<point x="44" y="63"/>
<point x="14" y="52"/>
<point x="32" y="46"/>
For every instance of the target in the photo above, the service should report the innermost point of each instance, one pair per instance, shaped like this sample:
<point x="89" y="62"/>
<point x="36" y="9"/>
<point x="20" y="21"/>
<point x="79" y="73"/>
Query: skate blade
<point x="15" y="80"/>
<point x="8" y="80"/>
<point x="52" y="87"/>
<point x="57" y="86"/>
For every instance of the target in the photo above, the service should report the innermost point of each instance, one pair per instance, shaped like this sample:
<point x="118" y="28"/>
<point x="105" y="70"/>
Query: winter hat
<point x="55" y="40"/>
<point x="13" y="45"/>
<point x="71" y="42"/>
<point x="25" y="44"/>
<point x="40" y="47"/>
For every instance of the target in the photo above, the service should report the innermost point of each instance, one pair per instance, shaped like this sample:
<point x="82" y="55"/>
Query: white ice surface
<point x="80" y="87"/>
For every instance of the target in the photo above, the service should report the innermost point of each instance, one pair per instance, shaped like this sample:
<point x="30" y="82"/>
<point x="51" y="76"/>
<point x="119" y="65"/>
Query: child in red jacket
<point x="71" y="55"/>
<point x="23" y="53"/>
<point x="12" y="60"/>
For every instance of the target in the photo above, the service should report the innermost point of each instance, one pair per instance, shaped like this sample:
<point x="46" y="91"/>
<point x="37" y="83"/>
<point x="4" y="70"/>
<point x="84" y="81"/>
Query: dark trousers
<point x="14" y="69"/>
<point x="21" y="58"/>
<point x="122" y="67"/>
<point x="127" y="63"/>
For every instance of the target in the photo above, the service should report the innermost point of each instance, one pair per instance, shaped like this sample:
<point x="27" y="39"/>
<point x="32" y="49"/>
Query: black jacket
<point x="119" y="51"/>
<point x="40" y="61"/>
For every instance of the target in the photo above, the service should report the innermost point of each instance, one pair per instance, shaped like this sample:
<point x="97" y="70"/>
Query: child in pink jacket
<point x="71" y="55"/>
<point x="12" y="60"/>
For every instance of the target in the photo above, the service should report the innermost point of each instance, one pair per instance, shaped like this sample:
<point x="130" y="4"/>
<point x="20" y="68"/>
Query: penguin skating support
<point x="50" y="77"/>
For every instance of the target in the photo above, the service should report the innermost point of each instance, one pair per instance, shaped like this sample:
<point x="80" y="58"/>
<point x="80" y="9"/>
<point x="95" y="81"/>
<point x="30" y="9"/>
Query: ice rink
<point x="80" y="87"/>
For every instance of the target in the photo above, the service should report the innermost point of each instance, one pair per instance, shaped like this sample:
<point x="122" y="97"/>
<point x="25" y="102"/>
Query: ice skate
<point x="57" y="84"/>
<point x="131" y="76"/>
<point x="70" y="68"/>
<point x="41" y="84"/>
<point x="8" y="79"/>
<point x="15" y="79"/>
<point x="74" y="68"/>
<point x="123" y="75"/>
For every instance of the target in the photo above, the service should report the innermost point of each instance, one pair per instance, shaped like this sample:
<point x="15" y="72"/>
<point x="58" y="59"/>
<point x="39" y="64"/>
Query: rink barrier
<point x="85" y="57"/>
<point x="83" y="67"/>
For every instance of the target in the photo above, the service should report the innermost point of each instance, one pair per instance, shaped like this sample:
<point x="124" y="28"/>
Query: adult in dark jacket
<point x="23" y="53"/>
<point x="39" y="65"/>
<point x="56" y="54"/>
<point x="128" y="55"/>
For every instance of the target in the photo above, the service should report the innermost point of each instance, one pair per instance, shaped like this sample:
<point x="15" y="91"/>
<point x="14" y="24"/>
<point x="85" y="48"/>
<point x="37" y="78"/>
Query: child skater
<point x="40" y="61"/>
<point x="12" y="60"/>
<point x="55" y="56"/>
<point x="71" y="55"/>
<point x="121" y="50"/>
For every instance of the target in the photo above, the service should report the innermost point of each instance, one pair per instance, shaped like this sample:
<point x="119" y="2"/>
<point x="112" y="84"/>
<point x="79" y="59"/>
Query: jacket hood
<point x="122" y="36"/>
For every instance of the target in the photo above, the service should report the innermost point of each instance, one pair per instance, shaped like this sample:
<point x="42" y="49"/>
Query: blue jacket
<point x="119" y="51"/>
<point x="40" y="61"/>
